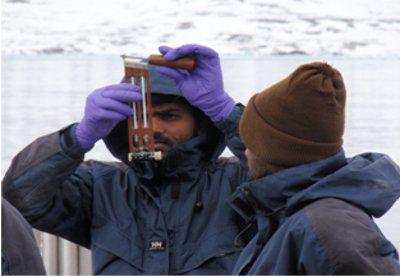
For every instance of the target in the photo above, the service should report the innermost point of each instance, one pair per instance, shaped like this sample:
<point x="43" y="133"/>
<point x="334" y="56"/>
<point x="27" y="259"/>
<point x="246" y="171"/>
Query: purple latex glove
<point x="105" y="107"/>
<point x="202" y="87"/>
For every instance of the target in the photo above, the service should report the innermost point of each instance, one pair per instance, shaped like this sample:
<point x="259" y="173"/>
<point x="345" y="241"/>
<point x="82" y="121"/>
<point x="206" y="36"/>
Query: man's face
<point x="258" y="167"/>
<point x="173" y="124"/>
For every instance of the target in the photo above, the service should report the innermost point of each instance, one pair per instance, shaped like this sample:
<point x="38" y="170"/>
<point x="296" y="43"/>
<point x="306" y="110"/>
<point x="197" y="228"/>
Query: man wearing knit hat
<point x="312" y="205"/>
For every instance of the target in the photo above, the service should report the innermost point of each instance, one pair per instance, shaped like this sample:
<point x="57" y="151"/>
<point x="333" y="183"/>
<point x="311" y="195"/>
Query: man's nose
<point x="158" y="125"/>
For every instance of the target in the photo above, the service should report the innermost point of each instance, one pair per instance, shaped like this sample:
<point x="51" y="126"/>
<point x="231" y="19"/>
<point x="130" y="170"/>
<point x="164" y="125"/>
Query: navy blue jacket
<point x="316" y="219"/>
<point x="137" y="218"/>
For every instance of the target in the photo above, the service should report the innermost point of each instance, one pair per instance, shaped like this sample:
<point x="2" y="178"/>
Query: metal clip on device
<point x="140" y="130"/>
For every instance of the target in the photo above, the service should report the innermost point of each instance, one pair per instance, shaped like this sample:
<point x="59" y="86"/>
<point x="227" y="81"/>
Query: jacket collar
<point x="370" y="181"/>
<point x="182" y="163"/>
<point x="272" y="192"/>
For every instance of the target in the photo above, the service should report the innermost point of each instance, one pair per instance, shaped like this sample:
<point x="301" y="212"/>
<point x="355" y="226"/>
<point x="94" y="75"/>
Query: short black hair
<point x="158" y="99"/>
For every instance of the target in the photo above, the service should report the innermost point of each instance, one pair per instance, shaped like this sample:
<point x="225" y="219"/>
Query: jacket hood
<point x="185" y="157"/>
<point x="370" y="181"/>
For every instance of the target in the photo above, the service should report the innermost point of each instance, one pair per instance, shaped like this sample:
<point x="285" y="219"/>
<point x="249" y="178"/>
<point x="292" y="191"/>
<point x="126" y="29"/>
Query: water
<point x="41" y="94"/>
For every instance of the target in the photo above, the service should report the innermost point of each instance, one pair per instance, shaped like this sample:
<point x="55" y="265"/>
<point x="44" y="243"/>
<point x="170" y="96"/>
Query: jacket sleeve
<point x="48" y="183"/>
<point x="20" y="254"/>
<point x="347" y="240"/>
<point x="230" y="128"/>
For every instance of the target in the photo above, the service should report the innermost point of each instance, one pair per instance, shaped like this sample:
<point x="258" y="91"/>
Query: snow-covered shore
<point x="362" y="28"/>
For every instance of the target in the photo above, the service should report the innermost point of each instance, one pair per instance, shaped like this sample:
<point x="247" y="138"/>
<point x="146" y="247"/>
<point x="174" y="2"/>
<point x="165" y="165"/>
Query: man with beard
<point x="313" y="207"/>
<point x="168" y="217"/>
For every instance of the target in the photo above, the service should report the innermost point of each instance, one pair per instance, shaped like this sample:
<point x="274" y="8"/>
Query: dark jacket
<point x="317" y="218"/>
<point x="19" y="252"/>
<point x="136" y="219"/>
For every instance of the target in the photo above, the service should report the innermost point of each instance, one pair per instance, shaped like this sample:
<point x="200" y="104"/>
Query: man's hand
<point x="104" y="108"/>
<point x="202" y="87"/>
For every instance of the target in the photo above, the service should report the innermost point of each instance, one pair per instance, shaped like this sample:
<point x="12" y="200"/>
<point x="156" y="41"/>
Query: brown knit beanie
<point x="299" y="119"/>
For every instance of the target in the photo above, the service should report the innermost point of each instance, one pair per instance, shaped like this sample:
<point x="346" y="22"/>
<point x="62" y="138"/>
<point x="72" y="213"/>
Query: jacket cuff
<point x="231" y="123"/>
<point x="69" y="142"/>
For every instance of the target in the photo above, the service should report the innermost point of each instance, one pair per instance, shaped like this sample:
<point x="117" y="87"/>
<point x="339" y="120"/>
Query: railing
<point x="62" y="257"/>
